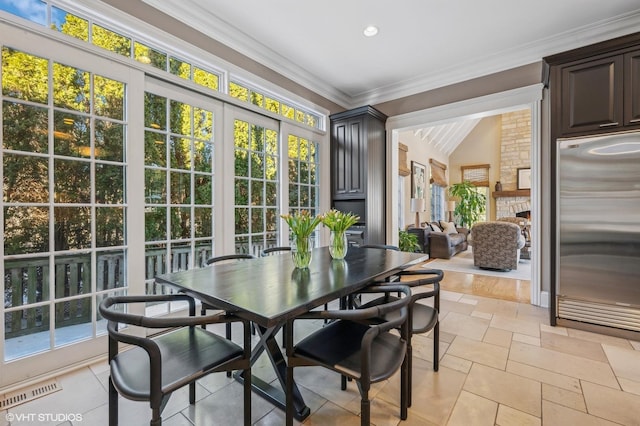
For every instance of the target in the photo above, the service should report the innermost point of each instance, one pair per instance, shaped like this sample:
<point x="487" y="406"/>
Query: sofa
<point x="441" y="240"/>
<point x="496" y="245"/>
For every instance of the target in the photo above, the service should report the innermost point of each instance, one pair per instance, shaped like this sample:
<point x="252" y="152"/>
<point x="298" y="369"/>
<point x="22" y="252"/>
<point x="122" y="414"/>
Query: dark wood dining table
<point x="268" y="291"/>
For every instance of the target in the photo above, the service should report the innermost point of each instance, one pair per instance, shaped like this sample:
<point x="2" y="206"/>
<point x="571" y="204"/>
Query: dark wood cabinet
<point x="632" y="88"/>
<point x="596" y="89"/>
<point x="358" y="168"/>
<point x="592" y="95"/>
<point x="593" y="90"/>
<point x="348" y="156"/>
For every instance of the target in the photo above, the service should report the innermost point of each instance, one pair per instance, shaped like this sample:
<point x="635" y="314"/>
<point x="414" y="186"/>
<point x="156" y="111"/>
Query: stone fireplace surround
<point x="515" y="152"/>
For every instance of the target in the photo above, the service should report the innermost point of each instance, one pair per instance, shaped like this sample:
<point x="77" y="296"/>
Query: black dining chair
<point x="156" y="366"/>
<point x="381" y="246"/>
<point x="422" y="317"/>
<point x="358" y="343"/>
<point x="277" y="249"/>
<point x="204" y="307"/>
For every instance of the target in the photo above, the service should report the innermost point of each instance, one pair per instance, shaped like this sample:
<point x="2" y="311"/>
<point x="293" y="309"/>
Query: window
<point x="78" y="27"/>
<point x="437" y="203"/>
<point x="64" y="199"/>
<point x="438" y="185"/>
<point x="304" y="181"/>
<point x="179" y="151"/>
<point x="95" y="206"/>
<point x="479" y="176"/>
<point x="244" y="92"/>
<point x="256" y="187"/>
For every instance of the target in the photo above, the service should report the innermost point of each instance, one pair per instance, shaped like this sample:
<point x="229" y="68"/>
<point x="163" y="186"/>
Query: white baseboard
<point x="544" y="299"/>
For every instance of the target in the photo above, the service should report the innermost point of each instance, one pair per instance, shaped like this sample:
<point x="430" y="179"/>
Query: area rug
<point x="463" y="262"/>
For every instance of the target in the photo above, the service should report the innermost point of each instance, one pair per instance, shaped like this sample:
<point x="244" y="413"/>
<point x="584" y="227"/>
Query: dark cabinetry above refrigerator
<point x="596" y="89"/>
<point x="594" y="94"/>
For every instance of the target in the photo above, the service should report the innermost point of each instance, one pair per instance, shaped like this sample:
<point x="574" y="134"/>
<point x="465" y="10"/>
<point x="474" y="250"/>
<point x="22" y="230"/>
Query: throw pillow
<point x="448" y="227"/>
<point x="435" y="227"/>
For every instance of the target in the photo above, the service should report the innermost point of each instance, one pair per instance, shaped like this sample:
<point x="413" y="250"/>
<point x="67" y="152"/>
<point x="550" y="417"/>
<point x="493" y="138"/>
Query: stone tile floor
<point x="501" y="364"/>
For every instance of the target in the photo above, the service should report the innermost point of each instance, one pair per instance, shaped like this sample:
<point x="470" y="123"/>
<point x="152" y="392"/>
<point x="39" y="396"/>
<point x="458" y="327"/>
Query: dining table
<point x="269" y="291"/>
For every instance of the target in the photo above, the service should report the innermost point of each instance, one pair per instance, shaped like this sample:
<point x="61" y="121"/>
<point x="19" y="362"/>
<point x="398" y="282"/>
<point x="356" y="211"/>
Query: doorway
<point x="527" y="97"/>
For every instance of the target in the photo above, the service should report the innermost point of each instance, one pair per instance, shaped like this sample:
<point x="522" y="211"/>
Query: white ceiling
<point x="422" y="44"/>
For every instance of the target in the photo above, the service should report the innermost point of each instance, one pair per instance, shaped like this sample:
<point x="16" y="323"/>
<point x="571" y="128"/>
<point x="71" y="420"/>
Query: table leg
<point x="272" y="393"/>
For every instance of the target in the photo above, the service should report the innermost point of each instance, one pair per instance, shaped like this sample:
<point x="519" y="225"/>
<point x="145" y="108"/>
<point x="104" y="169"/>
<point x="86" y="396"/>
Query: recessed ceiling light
<point x="370" y="31"/>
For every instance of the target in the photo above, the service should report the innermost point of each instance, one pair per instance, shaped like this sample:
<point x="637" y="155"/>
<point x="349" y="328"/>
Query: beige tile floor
<point x="501" y="364"/>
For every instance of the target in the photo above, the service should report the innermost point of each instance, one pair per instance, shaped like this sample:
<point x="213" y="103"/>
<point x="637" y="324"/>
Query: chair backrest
<point x="520" y="221"/>
<point x="496" y="244"/>
<point x="276" y="249"/>
<point x="236" y="256"/>
<point x="503" y="233"/>
<point x="380" y="246"/>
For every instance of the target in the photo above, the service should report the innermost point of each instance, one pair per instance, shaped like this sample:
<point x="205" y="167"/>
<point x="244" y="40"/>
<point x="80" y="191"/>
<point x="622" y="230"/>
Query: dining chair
<point x="357" y="344"/>
<point x="276" y="249"/>
<point x="204" y="307"/>
<point x="381" y="246"/>
<point x="422" y="317"/>
<point x="271" y="250"/>
<point x="157" y="365"/>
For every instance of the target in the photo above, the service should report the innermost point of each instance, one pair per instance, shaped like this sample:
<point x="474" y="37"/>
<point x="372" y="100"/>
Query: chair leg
<point x="343" y="382"/>
<point x="365" y="409"/>
<point x="405" y="386"/>
<point x="228" y="336"/>
<point x="409" y="372"/>
<point x="436" y="346"/>
<point x="192" y="393"/>
<point x="113" y="404"/>
<point x="203" y="312"/>
<point x="156" y="419"/>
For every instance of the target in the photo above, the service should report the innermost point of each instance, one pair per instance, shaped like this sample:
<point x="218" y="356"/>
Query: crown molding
<point x="217" y="29"/>
<point x="521" y="55"/>
<point x="505" y="60"/>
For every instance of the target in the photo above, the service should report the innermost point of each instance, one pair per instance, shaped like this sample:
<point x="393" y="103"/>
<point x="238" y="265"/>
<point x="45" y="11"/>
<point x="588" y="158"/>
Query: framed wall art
<point x="524" y="178"/>
<point x="418" y="179"/>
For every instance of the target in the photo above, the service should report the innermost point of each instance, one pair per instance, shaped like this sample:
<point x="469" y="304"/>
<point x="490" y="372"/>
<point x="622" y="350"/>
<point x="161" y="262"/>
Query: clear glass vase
<point x="301" y="251"/>
<point x="338" y="245"/>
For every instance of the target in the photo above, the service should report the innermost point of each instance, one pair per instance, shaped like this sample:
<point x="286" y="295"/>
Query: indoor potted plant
<point x="338" y="222"/>
<point x="408" y="242"/>
<point x="471" y="203"/>
<point x="302" y="225"/>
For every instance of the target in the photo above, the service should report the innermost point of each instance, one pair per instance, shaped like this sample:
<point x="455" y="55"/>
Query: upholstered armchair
<point x="496" y="245"/>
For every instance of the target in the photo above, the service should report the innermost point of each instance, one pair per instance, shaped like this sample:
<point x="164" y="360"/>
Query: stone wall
<point x="515" y="152"/>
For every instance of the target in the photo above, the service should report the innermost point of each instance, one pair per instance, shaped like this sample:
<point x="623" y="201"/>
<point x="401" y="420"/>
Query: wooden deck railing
<point x="27" y="284"/>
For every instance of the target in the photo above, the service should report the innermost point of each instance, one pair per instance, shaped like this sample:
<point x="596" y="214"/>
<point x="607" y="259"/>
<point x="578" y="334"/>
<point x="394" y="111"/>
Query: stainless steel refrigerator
<point x="598" y="214"/>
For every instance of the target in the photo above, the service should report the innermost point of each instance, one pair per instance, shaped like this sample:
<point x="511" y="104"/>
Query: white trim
<point x="62" y="356"/>
<point x="217" y="29"/>
<point x="142" y="31"/>
<point x="532" y="52"/>
<point x="505" y="60"/>
<point x="544" y="299"/>
<point x="479" y="107"/>
<point x="498" y="103"/>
